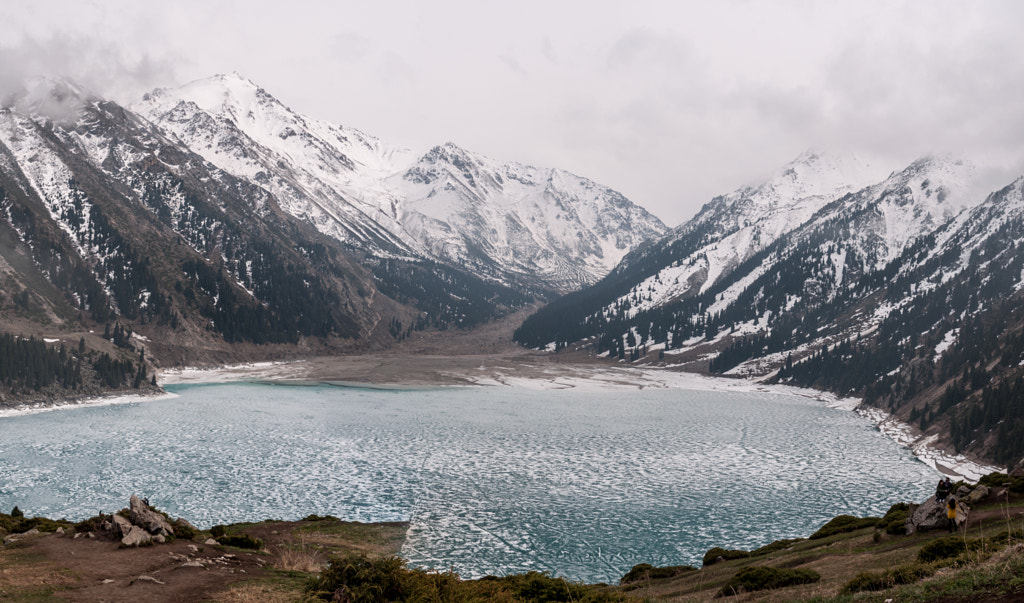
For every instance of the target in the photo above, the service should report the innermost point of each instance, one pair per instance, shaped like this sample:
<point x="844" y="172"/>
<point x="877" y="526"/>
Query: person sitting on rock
<point x="951" y="513"/>
<point x="942" y="491"/>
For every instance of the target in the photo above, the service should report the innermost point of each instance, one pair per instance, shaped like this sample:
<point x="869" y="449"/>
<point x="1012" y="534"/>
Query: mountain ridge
<point x="448" y="205"/>
<point x="879" y="293"/>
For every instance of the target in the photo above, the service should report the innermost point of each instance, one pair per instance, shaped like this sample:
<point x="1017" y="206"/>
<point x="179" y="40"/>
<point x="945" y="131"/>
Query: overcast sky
<point x="669" y="102"/>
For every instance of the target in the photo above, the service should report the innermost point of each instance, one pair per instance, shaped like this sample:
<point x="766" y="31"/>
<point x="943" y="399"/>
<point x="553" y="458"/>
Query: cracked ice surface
<point x="584" y="483"/>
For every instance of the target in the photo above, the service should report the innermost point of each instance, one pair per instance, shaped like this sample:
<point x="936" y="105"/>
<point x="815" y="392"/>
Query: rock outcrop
<point x="977" y="495"/>
<point x="150" y="520"/>
<point x="931" y="515"/>
<point x="142" y="526"/>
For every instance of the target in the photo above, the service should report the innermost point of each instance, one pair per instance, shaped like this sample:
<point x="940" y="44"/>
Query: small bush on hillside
<point x="895" y="519"/>
<point x="995" y="479"/>
<point x="361" y="579"/>
<point x="21" y="524"/>
<point x="646" y="571"/>
<point x="998" y="480"/>
<point x="93" y="524"/>
<point x="1006" y="537"/>
<point x="356" y="578"/>
<point x="315" y="517"/>
<point x="242" y="541"/>
<point x="778" y="545"/>
<point x="16" y="512"/>
<point x="844" y="523"/>
<point x="712" y="555"/>
<point x="945" y="548"/>
<point x="871" y="581"/>
<point x="765" y="578"/>
<point x="184" y="530"/>
<point x="218" y="531"/>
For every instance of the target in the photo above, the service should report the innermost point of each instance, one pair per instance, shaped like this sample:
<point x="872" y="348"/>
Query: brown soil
<point x="52" y="567"/>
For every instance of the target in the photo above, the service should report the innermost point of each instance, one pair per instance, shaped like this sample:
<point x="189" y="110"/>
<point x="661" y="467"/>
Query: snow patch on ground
<point x="904" y="434"/>
<point x="32" y="409"/>
<point x="252" y="371"/>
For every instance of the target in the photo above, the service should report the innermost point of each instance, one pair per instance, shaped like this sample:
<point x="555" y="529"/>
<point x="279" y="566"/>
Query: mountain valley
<point x="211" y="224"/>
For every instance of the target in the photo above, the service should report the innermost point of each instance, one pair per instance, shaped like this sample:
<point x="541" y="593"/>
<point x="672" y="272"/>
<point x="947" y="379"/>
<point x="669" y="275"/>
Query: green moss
<point x="871" y="581"/>
<point x="241" y="541"/>
<point x="184" y="530"/>
<point x="315" y="517"/>
<point x="93" y="524"/>
<point x="646" y="571"/>
<point x="998" y="480"/>
<point x="388" y="579"/>
<point x="946" y="548"/>
<point x="765" y="578"/>
<point x="711" y="557"/>
<point x="895" y="519"/>
<point x="21" y="524"/>
<point x="844" y="523"/>
<point x="778" y="545"/>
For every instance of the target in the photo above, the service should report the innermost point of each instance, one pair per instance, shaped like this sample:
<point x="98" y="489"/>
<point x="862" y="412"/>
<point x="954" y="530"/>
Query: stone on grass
<point x="977" y="495"/>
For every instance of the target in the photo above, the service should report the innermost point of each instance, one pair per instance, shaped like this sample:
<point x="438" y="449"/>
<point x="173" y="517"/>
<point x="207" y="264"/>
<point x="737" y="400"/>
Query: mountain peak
<point x="815" y="173"/>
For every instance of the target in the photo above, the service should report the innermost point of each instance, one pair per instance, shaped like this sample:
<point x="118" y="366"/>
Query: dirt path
<point x="53" y="567"/>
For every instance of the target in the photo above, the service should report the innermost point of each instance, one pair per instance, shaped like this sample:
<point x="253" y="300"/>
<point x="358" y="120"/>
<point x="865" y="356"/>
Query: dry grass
<point x="22" y="574"/>
<point x="372" y="540"/>
<point x="303" y="554"/>
<point x="263" y="592"/>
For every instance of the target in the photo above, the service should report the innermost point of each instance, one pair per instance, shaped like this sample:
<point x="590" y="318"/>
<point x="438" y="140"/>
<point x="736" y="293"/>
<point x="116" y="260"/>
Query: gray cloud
<point x="669" y="102"/>
<point x="98" y="66"/>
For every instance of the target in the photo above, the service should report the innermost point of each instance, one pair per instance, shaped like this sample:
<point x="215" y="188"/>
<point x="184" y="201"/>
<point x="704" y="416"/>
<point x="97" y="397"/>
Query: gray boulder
<point x="136" y="537"/>
<point x="931" y="515"/>
<point x="147" y="518"/>
<point x="976" y="495"/>
<point x="962" y="492"/>
<point x="925" y="516"/>
<point x="120" y="526"/>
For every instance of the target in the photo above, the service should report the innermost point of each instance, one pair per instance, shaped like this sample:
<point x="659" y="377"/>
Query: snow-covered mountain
<point x="908" y="292"/>
<point x="106" y="218"/>
<point x="732" y="228"/>
<point x="515" y="224"/>
<point x="820" y="217"/>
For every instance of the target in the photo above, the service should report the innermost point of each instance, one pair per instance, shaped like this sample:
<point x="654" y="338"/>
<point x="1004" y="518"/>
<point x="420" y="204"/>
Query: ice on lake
<point x="494" y="480"/>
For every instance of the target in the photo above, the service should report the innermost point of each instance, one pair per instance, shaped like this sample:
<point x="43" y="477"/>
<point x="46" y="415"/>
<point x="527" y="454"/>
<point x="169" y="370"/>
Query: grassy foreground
<point x="326" y="559"/>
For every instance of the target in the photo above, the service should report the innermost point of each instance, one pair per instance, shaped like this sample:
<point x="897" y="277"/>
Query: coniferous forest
<point x="30" y="367"/>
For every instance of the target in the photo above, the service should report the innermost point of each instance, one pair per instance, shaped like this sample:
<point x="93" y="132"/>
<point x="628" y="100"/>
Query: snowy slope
<point x="126" y="223"/>
<point x="510" y="222"/>
<point x="532" y="222"/>
<point x="804" y="243"/>
<point x="734" y="227"/>
<point x="321" y="173"/>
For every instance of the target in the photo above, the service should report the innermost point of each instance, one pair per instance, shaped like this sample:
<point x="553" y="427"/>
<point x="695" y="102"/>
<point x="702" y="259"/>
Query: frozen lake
<point x="493" y="479"/>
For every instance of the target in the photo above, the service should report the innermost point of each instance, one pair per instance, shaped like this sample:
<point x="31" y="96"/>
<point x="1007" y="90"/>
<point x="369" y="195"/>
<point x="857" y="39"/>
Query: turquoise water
<point x="494" y="480"/>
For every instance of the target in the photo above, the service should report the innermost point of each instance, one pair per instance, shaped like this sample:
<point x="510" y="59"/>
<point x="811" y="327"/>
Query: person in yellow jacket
<point x="951" y="512"/>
